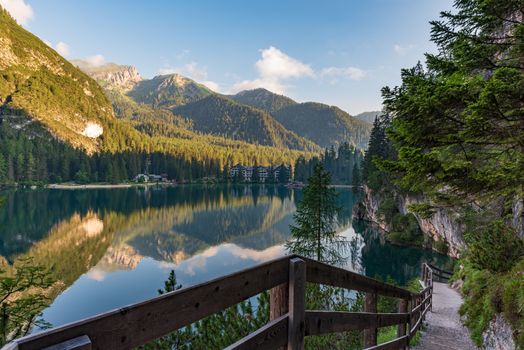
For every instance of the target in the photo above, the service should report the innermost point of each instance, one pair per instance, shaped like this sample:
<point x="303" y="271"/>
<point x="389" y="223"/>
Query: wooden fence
<point x="290" y="322"/>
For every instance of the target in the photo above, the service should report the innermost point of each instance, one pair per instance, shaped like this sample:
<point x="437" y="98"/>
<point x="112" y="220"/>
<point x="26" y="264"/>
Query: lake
<point x="111" y="247"/>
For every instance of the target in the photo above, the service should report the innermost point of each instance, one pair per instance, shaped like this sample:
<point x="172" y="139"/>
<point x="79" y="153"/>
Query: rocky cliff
<point x="111" y="75"/>
<point x="441" y="225"/>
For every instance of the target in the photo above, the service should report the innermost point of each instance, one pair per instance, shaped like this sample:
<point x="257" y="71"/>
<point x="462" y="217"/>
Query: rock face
<point x="442" y="225"/>
<point x="518" y="216"/>
<point x="111" y="75"/>
<point x="126" y="78"/>
<point x="498" y="336"/>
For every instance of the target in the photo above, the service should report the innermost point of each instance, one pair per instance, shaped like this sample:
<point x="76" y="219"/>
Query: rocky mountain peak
<point x="111" y="75"/>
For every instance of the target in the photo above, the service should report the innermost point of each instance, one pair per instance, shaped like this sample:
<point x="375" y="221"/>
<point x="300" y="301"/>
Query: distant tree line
<point x="343" y="163"/>
<point x="30" y="160"/>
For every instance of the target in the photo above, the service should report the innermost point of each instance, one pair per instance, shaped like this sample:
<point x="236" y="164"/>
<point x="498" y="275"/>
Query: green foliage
<point x="379" y="149"/>
<point x="494" y="247"/>
<point x="423" y="210"/>
<point x="486" y="294"/>
<point x="168" y="91"/>
<point x="343" y="164"/>
<point x="43" y="96"/>
<point x="22" y="298"/>
<point x="405" y="229"/>
<point x="313" y="232"/>
<point x="441" y="246"/>
<point x="263" y="99"/>
<point x="218" y="330"/>
<point x="219" y="115"/>
<point x="325" y="125"/>
<point x="458" y="131"/>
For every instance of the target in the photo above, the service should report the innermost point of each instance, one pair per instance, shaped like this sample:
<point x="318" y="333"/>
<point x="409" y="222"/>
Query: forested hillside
<point x="221" y="116"/>
<point x="48" y="104"/>
<point x="263" y="99"/>
<point x="453" y="135"/>
<point x="168" y="91"/>
<point x="325" y="125"/>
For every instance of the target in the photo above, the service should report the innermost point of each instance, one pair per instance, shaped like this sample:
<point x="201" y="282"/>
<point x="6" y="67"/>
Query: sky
<point x="339" y="52"/>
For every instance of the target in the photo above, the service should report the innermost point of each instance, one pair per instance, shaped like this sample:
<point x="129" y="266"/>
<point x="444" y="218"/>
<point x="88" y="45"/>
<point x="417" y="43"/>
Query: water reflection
<point x="109" y="248"/>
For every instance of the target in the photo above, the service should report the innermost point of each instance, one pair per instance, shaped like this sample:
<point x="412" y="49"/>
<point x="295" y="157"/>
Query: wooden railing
<point x="290" y="322"/>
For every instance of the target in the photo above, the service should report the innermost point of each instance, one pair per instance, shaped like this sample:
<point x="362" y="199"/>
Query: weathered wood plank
<point x="434" y="268"/>
<point x="271" y="336"/>
<point x="322" y="322"/>
<point x="394" y="344"/>
<point x="297" y="304"/>
<point x="139" y="323"/>
<point x="79" y="343"/>
<point x="334" y="276"/>
<point x="278" y="301"/>
<point x="402" y="309"/>
<point x="370" y="305"/>
<point x="415" y="327"/>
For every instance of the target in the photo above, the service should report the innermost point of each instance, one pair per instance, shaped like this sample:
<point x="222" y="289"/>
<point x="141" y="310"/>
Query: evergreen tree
<point x="313" y="233"/>
<point x="458" y="127"/>
<point x="283" y="174"/>
<point x="3" y="169"/>
<point x="255" y="176"/>
<point x="357" y="181"/>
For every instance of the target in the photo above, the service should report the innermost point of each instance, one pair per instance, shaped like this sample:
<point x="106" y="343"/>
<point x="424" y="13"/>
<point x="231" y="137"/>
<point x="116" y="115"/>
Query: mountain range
<point x="112" y="108"/>
<point x="256" y="116"/>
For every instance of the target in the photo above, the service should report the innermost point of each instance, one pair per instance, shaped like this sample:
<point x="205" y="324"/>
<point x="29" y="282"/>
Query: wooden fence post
<point x="370" y="305"/>
<point x="402" y="308"/>
<point x="410" y="318"/>
<point x="278" y="301"/>
<point x="297" y="304"/>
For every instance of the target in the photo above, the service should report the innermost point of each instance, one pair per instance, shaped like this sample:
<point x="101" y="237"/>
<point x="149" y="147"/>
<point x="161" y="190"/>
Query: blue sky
<point x="331" y="51"/>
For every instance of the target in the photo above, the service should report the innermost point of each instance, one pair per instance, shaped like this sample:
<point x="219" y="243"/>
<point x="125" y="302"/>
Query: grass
<point x="489" y="293"/>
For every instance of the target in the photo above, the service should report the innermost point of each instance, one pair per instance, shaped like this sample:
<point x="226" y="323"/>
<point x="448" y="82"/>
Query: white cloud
<point x="96" y="60"/>
<point x="193" y="71"/>
<point x="274" y="69"/>
<point x="402" y="50"/>
<point x="275" y="64"/>
<point x="20" y="11"/>
<point x="62" y="48"/>
<point x="352" y="73"/>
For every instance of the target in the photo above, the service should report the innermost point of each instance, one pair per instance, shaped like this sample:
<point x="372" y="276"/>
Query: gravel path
<point x="444" y="331"/>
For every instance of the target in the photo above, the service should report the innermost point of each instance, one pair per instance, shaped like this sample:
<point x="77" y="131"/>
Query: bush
<point x="495" y="247"/>
<point x="441" y="246"/>
<point x="487" y="293"/>
<point x="405" y="230"/>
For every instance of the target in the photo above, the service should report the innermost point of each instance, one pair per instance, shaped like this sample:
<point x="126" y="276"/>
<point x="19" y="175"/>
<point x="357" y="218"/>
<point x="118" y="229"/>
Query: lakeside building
<point x="264" y="173"/>
<point x="150" y="178"/>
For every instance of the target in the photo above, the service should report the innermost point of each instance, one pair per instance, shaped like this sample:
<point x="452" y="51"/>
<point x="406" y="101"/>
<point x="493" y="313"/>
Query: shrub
<point x="441" y="246"/>
<point x="495" y="247"/>
<point x="405" y="230"/>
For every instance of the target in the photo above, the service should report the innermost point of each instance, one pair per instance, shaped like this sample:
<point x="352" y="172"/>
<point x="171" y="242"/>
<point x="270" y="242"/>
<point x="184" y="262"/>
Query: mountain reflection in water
<point x="110" y="247"/>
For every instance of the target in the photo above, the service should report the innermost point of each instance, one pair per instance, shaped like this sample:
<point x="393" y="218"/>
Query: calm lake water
<point x="112" y="247"/>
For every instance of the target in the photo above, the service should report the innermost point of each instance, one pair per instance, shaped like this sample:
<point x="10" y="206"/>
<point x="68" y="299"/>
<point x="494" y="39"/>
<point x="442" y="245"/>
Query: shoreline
<point x="101" y="186"/>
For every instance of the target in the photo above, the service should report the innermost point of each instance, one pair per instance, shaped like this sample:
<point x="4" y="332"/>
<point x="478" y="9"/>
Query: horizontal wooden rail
<point x="439" y="270"/>
<point x="322" y="322"/>
<point x="271" y="336"/>
<point x="395" y="344"/>
<point x="318" y="272"/>
<point x="140" y="323"/>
